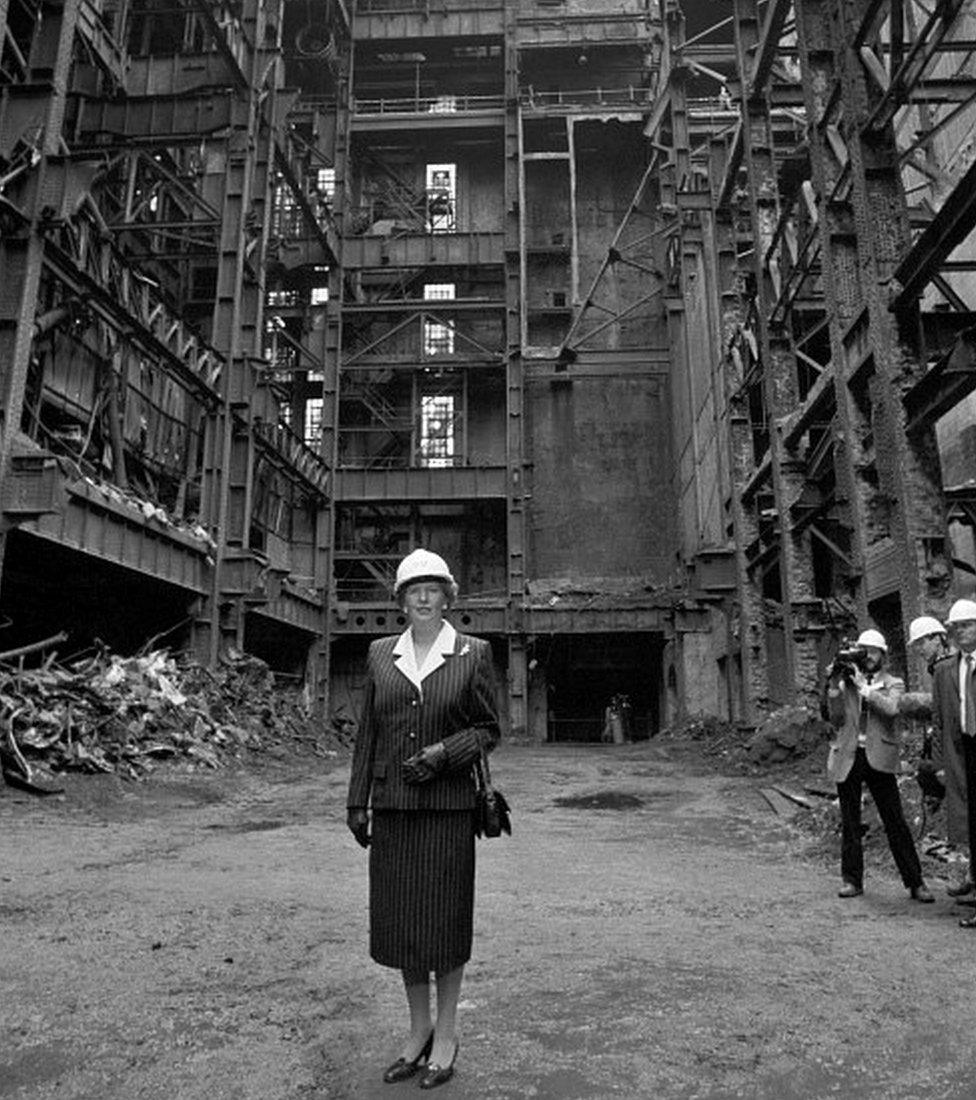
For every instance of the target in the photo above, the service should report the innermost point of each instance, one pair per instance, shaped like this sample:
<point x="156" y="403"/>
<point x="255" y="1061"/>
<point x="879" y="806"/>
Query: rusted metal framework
<point x="289" y="289"/>
<point x="158" y="189"/>
<point x="823" y="234"/>
<point x="458" y="288"/>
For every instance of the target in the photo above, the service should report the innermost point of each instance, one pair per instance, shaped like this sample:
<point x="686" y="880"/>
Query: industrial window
<point x="476" y="52"/>
<point x="319" y="293"/>
<point x="438" y="292"/>
<point x="437" y="430"/>
<point x="325" y="181"/>
<point x="401" y="58"/>
<point x="438" y="336"/>
<point x="441" y="197"/>
<point x="443" y="105"/>
<point x="288" y="219"/>
<point x="313" y="421"/>
<point x="278" y="352"/>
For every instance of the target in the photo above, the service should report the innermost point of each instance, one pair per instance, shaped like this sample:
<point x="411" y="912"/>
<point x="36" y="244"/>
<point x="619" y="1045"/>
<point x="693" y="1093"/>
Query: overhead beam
<point x="950" y="226"/>
<point x="776" y="15"/>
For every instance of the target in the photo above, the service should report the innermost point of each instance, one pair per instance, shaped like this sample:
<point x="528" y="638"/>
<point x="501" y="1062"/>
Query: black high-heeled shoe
<point x="435" y="1075"/>
<point x="401" y="1069"/>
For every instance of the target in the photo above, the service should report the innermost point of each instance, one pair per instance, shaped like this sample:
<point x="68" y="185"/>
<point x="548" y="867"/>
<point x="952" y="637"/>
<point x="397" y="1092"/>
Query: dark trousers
<point x="969" y="760"/>
<point x="884" y="790"/>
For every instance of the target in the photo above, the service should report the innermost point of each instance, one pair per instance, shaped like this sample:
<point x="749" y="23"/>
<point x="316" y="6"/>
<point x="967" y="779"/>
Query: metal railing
<point x="398" y="462"/>
<point x="630" y="95"/>
<point x="428" y="105"/>
<point x="424" y="7"/>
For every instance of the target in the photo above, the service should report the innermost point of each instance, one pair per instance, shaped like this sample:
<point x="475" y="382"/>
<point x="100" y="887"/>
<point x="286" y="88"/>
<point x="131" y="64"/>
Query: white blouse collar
<point x="406" y="656"/>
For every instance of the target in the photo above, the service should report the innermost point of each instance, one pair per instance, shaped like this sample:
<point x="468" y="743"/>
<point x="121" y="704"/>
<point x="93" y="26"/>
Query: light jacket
<point x="882" y="730"/>
<point x="456" y="704"/>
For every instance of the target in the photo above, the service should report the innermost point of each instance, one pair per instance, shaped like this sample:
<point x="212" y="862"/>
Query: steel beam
<point x="155" y="120"/>
<point x="952" y="223"/>
<point x="452" y="483"/>
<point x="943" y="386"/>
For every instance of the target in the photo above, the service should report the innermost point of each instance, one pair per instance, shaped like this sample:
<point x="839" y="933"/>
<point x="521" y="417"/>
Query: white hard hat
<point x="922" y="627"/>
<point x="420" y="564"/>
<point x="873" y="638"/>
<point x="962" y="611"/>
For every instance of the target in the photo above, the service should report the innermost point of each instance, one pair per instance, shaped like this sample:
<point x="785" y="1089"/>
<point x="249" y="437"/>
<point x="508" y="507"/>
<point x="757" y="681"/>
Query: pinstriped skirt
<point x="421" y="889"/>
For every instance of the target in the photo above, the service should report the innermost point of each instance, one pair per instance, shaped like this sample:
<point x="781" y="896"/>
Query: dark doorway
<point x="585" y="671"/>
<point x="885" y="614"/>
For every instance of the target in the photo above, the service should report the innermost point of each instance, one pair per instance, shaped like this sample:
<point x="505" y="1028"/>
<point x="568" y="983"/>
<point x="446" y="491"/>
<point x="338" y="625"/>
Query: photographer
<point x="862" y="705"/>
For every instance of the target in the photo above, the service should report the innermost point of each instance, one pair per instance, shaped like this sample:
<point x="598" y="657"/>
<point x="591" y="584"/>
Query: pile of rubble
<point x="124" y="714"/>
<point x="714" y="736"/>
<point x="789" y="733"/>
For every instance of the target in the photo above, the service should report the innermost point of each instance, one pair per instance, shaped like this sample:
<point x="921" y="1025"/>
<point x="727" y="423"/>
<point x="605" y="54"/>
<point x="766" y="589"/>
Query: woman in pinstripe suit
<point x="430" y="709"/>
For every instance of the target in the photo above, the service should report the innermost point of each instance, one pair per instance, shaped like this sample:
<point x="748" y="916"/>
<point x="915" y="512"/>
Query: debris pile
<point x="789" y="733"/>
<point x="123" y="714"/>
<point x="715" y="734"/>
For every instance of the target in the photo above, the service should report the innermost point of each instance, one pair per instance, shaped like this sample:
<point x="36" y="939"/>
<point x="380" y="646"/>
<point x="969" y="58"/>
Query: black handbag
<point x="492" y="815"/>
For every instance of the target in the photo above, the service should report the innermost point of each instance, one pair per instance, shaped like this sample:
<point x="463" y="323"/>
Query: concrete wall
<point x="601" y="478"/>
<point x="609" y="166"/>
<point x="486" y="420"/>
<point x="700" y="686"/>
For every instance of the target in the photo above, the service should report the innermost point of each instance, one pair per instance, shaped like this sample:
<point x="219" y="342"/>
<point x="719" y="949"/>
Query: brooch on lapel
<point x="465" y="650"/>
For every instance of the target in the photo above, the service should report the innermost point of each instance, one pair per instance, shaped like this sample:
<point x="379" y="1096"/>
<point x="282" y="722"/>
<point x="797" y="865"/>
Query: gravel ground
<point x="651" y="930"/>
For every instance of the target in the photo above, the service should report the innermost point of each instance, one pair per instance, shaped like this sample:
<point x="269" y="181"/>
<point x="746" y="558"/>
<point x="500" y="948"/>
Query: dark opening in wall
<point x="48" y="588"/>
<point x="282" y="647"/>
<point x="585" y="671"/>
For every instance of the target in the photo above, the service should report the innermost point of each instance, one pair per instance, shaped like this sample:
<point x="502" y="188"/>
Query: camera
<point x="850" y="658"/>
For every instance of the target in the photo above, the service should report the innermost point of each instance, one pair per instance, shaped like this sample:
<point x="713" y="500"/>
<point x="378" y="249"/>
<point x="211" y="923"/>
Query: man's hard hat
<point x="922" y="627"/>
<point x="421" y="565"/>
<point x="873" y="638"/>
<point x="962" y="611"/>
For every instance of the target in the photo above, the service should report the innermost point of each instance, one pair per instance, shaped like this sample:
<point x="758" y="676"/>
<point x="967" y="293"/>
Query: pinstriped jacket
<point x="456" y="704"/>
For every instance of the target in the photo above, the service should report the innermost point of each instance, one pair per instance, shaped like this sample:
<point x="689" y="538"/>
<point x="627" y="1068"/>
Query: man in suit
<point x="862" y="704"/>
<point x="954" y="709"/>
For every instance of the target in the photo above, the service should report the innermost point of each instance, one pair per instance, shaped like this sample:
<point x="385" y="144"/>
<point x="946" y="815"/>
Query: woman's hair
<point x="449" y="588"/>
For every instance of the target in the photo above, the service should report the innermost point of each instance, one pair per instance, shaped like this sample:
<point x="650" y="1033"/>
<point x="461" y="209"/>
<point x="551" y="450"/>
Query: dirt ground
<point x="203" y="937"/>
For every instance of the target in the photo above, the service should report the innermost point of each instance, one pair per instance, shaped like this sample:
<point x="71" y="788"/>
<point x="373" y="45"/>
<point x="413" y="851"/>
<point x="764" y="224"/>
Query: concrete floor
<point x="204" y="938"/>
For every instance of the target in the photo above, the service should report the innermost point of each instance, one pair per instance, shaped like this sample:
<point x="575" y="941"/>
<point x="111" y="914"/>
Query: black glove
<point x="424" y="765"/>
<point x="358" y="822"/>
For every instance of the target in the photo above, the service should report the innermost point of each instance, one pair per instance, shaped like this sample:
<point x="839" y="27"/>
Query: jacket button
<point x="412" y="736"/>
<point x="413" y="702"/>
